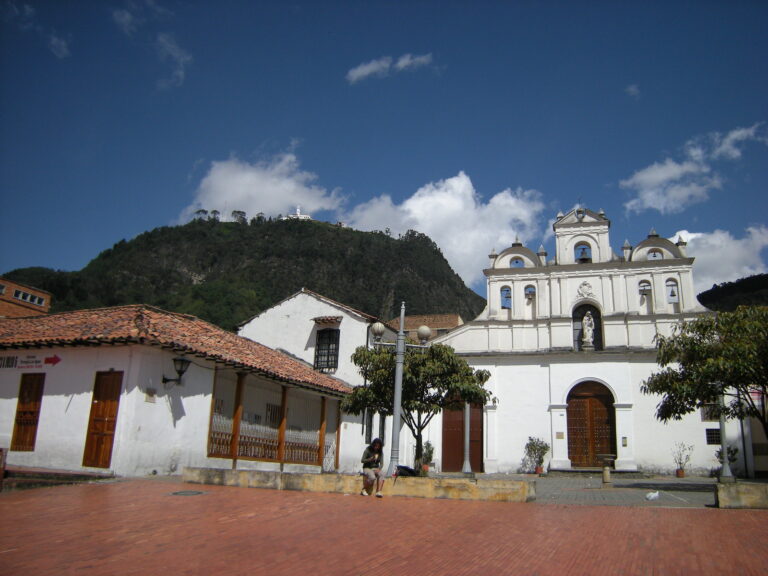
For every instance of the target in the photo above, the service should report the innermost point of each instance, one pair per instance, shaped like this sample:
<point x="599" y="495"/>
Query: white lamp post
<point x="378" y="331"/>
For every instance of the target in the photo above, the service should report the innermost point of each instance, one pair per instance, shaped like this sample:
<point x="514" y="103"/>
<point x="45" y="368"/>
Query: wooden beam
<point x="321" y="434"/>
<point x="235" y="446"/>
<point x="283" y="425"/>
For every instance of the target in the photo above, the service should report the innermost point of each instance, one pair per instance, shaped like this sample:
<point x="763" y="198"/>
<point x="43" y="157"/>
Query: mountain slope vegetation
<point x="726" y="297"/>
<point x="226" y="272"/>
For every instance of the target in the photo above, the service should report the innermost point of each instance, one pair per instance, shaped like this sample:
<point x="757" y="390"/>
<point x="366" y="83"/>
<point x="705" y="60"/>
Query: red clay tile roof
<point x="144" y="324"/>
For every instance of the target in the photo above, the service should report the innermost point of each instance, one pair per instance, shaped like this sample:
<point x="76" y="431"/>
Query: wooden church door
<point x="591" y="424"/>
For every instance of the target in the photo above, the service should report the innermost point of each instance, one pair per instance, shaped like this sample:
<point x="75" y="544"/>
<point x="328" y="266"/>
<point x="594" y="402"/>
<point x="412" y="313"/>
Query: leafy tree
<point x="434" y="379"/>
<point x="239" y="216"/>
<point x="714" y="355"/>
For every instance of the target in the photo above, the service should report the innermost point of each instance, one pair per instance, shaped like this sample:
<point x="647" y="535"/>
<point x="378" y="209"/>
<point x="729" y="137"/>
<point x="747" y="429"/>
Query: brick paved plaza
<point x="139" y="527"/>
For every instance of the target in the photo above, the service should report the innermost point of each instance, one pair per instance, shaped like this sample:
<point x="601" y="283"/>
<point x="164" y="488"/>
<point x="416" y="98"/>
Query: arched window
<point x="673" y="295"/>
<point x="582" y="253"/>
<point x="506" y="298"/>
<point x="530" y="292"/>
<point x="655" y="254"/>
<point x="587" y="328"/>
<point x="517" y="262"/>
<point x="646" y="296"/>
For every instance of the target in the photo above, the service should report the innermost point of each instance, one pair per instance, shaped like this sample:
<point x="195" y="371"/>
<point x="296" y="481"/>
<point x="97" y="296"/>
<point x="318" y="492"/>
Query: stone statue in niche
<point x="588" y="331"/>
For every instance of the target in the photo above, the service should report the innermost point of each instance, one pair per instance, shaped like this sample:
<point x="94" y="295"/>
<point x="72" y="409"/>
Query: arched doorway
<point x="591" y="424"/>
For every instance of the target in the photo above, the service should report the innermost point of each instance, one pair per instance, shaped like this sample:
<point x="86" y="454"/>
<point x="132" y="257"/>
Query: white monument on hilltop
<point x="297" y="216"/>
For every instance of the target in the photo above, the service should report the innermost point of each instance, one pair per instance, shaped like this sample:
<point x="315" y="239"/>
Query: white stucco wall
<point x="289" y="326"/>
<point x="161" y="436"/>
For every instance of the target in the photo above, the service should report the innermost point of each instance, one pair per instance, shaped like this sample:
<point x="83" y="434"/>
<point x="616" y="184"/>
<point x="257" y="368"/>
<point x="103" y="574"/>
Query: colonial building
<point x="569" y="341"/>
<point x="18" y="300"/>
<point x="324" y="334"/>
<point x="136" y="390"/>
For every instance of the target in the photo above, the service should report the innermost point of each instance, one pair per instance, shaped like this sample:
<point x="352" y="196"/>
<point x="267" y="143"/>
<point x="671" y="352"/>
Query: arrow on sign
<point x="52" y="360"/>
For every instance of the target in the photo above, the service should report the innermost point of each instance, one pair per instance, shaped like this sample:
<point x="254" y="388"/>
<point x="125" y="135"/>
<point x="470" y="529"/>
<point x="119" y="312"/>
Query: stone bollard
<point x="607" y="482"/>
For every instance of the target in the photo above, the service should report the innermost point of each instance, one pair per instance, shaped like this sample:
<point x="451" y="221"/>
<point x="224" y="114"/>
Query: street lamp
<point x="378" y="331"/>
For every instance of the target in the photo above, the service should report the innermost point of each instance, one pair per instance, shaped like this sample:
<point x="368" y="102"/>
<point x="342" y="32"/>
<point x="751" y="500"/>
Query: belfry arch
<point x="591" y="418"/>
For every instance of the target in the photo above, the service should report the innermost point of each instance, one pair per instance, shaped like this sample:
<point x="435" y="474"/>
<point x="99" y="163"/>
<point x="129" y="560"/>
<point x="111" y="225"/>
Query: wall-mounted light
<point x="180" y="364"/>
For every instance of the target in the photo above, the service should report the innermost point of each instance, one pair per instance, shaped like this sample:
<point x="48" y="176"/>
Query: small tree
<point x="535" y="451"/>
<point x="681" y="454"/>
<point x="434" y="379"/>
<point x="714" y="356"/>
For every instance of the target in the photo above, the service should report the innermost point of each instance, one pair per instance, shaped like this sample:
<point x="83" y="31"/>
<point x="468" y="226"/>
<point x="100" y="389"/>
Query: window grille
<point x="327" y="349"/>
<point x="709" y="413"/>
<point x="713" y="436"/>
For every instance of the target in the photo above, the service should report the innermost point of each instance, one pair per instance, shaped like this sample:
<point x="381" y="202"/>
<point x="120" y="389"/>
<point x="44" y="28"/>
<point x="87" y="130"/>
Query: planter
<point x="539" y="470"/>
<point x="680" y="473"/>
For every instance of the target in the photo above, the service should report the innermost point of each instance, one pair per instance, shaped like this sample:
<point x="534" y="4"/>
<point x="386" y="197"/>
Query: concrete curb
<point x="492" y="489"/>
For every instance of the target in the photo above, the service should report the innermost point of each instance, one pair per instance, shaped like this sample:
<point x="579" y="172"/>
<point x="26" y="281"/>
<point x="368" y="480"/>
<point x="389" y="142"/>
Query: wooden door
<point x="101" y="424"/>
<point x="28" y="412"/>
<point x="591" y="425"/>
<point x="453" y="439"/>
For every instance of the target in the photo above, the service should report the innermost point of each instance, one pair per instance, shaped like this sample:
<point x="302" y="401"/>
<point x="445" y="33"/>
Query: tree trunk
<point x="419" y="451"/>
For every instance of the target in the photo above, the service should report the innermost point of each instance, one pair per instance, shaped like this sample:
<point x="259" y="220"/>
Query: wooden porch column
<point x="283" y="425"/>
<point x="338" y="434"/>
<point x="235" y="446"/>
<point x="321" y="434"/>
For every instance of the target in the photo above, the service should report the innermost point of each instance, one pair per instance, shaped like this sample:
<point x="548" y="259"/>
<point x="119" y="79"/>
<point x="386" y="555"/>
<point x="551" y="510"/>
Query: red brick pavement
<point x="138" y="527"/>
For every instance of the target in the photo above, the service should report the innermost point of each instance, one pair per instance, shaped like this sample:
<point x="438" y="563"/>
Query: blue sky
<point x="471" y="122"/>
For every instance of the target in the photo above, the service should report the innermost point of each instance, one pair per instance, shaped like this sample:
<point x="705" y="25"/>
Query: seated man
<point x="372" y="473"/>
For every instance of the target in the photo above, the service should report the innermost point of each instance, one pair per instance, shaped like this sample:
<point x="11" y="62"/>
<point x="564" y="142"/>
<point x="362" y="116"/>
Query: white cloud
<point x="180" y="59"/>
<point x="25" y="17"/>
<point x="409" y="61"/>
<point x="383" y="66"/>
<point x="379" y="67"/>
<point x="672" y="186"/>
<point x="59" y="46"/>
<point x="452" y="213"/>
<point x="274" y="186"/>
<point x="727" y="146"/>
<point x="633" y="90"/>
<point x="126" y="21"/>
<point x="141" y="19"/>
<point x="720" y="257"/>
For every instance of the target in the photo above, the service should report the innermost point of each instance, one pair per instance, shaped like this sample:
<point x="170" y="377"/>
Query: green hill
<point x="726" y="297"/>
<point x="225" y="272"/>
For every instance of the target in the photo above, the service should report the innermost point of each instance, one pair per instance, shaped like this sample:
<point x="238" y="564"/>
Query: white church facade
<point x="569" y="341"/>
